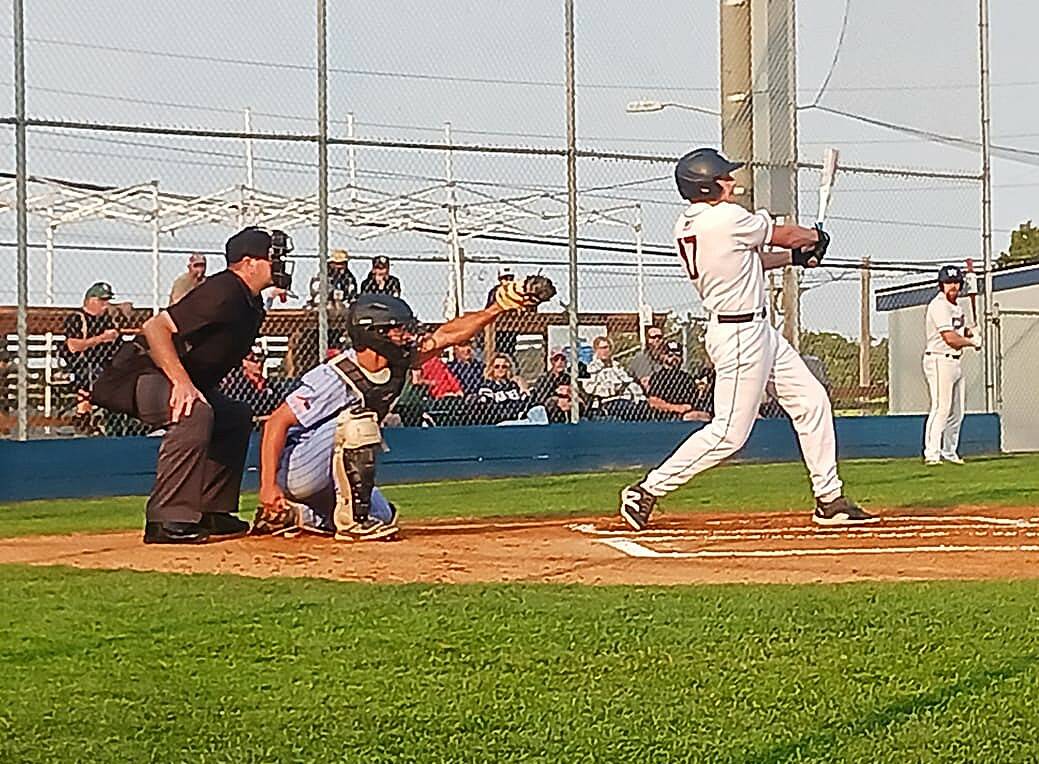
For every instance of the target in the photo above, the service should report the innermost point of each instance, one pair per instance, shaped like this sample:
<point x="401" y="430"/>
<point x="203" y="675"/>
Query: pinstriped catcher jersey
<point x="720" y="246"/>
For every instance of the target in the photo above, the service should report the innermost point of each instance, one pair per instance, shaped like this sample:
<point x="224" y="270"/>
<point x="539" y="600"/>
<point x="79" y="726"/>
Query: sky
<point x="494" y="70"/>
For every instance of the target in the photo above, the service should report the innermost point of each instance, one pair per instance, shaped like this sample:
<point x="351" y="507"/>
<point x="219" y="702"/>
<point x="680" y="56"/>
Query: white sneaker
<point x="932" y="462"/>
<point x="954" y="459"/>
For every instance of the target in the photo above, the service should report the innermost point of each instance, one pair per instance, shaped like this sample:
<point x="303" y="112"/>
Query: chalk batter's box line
<point x="635" y="549"/>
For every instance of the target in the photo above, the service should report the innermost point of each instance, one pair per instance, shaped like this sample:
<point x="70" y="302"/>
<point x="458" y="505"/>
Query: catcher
<point x="317" y="454"/>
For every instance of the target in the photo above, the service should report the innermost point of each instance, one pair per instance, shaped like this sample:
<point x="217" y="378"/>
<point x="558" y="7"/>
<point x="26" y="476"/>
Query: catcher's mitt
<point x="532" y="292"/>
<point x="810" y="257"/>
<point x="275" y="521"/>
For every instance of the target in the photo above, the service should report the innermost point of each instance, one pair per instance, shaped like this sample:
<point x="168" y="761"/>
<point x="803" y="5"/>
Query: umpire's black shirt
<point x="217" y="323"/>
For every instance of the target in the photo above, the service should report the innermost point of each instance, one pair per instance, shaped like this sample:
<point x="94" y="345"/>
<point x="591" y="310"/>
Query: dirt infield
<point x="962" y="543"/>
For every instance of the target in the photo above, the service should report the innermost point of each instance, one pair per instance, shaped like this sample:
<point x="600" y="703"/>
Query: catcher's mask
<point x="697" y="174"/>
<point x="273" y="245"/>
<point x="950" y="274"/>
<point x="370" y="320"/>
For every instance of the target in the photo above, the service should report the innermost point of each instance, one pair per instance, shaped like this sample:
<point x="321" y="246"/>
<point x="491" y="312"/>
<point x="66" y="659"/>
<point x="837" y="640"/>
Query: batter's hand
<point x="976" y="342"/>
<point x="183" y="396"/>
<point x="812" y="256"/>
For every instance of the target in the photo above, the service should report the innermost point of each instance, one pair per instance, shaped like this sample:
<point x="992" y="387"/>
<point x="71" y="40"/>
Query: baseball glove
<point x="532" y="292"/>
<point x="275" y="520"/>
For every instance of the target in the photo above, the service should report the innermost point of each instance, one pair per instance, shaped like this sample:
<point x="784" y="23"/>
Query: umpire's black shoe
<point x="175" y="533"/>
<point x="224" y="525"/>
<point x="841" y="511"/>
<point x="637" y="505"/>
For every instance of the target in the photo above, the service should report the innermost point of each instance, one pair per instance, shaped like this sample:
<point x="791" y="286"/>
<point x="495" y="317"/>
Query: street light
<point x="644" y="107"/>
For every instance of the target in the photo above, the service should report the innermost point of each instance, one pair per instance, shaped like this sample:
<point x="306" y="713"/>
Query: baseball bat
<point x="826" y="179"/>
<point x="970" y="286"/>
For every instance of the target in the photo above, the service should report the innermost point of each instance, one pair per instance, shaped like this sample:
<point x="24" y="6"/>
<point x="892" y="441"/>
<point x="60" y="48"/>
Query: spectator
<point x="466" y="368"/>
<point x="648" y="359"/>
<point x="439" y="380"/>
<point x="91" y="340"/>
<point x="7" y="373"/>
<point x="185" y="282"/>
<point x="247" y="383"/>
<point x="503" y="396"/>
<point x="342" y="286"/>
<point x="379" y="280"/>
<point x="559" y="404"/>
<point x="675" y="393"/>
<point x="613" y="391"/>
<point x="504" y="341"/>
<point x="545" y="386"/>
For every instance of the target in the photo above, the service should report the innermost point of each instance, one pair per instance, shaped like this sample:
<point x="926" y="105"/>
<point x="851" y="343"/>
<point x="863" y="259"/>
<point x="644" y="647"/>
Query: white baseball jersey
<point x="720" y="246"/>
<point x="942" y="316"/>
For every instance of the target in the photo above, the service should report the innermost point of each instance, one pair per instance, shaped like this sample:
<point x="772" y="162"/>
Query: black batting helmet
<point x="950" y="274"/>
<point x="372" y="316"/>
<point x="697" y="174"/>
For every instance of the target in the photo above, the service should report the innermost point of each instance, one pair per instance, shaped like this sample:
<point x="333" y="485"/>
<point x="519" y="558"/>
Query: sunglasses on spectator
<point x="654" y="336"/>
<point x="501" y="366"/>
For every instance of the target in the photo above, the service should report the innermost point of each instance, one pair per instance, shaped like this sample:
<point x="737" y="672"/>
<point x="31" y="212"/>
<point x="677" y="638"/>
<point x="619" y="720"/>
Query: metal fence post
<point x="21" y="192"/>
<point x="571" y="204"/>
<point x="322" y="179"/>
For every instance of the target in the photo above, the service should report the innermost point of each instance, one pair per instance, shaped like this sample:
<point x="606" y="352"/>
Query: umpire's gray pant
<point x="202" y="457"/>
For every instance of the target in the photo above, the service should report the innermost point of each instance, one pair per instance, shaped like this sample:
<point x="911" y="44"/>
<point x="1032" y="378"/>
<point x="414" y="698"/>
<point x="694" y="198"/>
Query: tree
<point x="1024" y="246"/>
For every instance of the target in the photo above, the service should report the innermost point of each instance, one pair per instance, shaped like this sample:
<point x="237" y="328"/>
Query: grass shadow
<point x="823" y="741"/>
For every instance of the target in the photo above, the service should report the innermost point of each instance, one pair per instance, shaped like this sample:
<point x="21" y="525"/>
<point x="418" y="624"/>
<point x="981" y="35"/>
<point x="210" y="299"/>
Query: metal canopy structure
<point x="452" y="212"/>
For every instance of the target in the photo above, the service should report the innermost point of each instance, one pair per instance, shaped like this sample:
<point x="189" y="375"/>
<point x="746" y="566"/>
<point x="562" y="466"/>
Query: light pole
<point x="644" y="107"/>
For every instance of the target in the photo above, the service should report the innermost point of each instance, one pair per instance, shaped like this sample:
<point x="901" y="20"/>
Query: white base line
<point x="635" y="549"/>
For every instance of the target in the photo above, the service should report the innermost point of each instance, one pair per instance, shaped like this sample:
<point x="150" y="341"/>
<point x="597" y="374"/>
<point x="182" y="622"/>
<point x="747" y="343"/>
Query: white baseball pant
<point x="945" y="384"/>
<point x="746" y="357"/>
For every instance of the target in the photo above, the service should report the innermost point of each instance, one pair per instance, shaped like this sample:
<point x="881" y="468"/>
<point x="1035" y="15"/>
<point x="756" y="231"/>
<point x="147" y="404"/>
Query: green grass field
<point x="119" y="666"/>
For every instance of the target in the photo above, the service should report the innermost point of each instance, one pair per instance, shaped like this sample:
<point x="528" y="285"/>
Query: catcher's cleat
<point x="224" y="525"/>
<point x="369" y="529"/>
<point x="953" y="459"/>
<point x="637" y="504"/>
<point x="841" y="511"/>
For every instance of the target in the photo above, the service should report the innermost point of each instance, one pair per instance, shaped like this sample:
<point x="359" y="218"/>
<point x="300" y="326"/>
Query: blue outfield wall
<point x="83" y="467"/>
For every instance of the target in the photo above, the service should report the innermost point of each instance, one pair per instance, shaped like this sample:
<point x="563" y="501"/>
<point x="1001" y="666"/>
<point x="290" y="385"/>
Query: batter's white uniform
<point x="944" y="380"/>
<point x="720" y="245"/>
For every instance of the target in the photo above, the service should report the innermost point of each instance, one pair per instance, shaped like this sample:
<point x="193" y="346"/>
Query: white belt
<point x="957" y="356"/>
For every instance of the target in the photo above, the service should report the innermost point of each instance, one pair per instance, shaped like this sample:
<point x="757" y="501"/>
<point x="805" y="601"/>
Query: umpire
<point x="193" y="345"/>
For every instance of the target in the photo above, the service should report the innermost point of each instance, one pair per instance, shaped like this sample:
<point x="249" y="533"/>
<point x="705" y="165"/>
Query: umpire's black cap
<point x="249" y="242"/>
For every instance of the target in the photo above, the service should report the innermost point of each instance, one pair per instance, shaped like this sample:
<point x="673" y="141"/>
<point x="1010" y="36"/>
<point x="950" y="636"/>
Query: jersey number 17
<point x="687" y="250"/>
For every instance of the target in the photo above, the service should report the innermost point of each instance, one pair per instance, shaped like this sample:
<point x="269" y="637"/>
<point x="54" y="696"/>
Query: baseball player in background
<point x="726" y="250"/>
<point x="947" y="336"/>
<point x="318" y="450"/>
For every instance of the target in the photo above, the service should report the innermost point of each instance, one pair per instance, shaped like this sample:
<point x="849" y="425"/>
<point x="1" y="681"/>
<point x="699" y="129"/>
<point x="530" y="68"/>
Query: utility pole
<point x="737" y="106"/>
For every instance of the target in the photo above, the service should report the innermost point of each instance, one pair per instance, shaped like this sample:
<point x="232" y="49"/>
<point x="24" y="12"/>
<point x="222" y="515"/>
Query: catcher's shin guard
<point x="357" y="440"/>
<point x="354" y="473"/>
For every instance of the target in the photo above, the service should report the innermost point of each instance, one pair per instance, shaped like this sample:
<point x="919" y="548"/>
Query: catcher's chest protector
<point x="377" y="397"/>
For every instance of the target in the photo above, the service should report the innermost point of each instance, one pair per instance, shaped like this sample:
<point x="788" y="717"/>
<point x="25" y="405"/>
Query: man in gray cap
<point x="185" y="282"/>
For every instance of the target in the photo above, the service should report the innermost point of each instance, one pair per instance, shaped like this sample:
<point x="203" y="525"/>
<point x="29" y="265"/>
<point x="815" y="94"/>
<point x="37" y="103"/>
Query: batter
<point x="722" y="246"/>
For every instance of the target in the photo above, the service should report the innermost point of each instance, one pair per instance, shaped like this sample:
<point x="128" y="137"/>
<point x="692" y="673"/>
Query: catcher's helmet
<point x="697" y="174"/>
<point x="372" y="316"/>
<point x="950" y="274"/>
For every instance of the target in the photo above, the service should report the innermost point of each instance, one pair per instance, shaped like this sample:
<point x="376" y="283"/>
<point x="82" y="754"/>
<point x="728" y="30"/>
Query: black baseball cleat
<point x="368" y="529"/>
<point x="224" y="525"/>
<point x="637" y="505"/>
<point x="175" y="533"/>
<point x="841" y="511"/>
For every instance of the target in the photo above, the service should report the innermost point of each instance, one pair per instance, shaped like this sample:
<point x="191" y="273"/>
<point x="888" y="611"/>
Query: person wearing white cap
<point x="185" y="282"/>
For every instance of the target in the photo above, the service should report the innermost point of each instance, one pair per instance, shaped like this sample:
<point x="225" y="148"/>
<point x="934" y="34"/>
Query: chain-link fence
<point x="446" y="154"/>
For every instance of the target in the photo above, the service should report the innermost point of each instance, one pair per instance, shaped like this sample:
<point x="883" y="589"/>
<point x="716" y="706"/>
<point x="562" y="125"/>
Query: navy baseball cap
<point x="673" y="348"/>
<point x="249" y="242"/>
